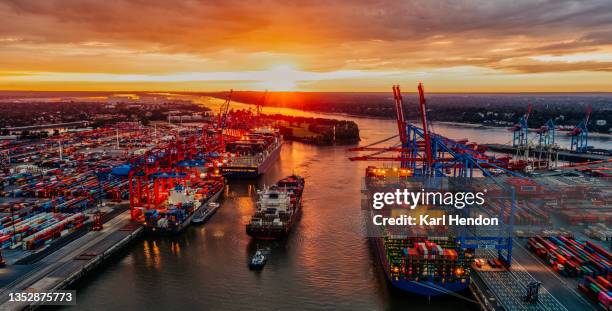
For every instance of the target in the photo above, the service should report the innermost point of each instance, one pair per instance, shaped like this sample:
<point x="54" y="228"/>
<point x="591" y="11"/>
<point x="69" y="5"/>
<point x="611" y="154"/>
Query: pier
<point x="506" y="289"/>
<point x="564" y="155"/>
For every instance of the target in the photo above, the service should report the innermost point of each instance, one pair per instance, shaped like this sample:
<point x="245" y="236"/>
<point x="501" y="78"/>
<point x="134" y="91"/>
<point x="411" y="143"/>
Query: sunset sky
<point x="361" y="45"/>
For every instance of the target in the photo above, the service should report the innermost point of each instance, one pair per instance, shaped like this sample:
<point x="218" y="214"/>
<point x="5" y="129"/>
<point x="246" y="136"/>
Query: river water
<point x="326" y="263"/>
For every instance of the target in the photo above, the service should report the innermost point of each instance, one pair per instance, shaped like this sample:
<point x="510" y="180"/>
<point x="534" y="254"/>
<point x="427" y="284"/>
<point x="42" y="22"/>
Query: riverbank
<point x="318" y="131"/>
<point x="499" y="110"/>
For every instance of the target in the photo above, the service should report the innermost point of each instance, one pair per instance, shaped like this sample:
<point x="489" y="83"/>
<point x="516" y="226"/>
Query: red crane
<point x="223" y="118"/>
<point x="423" y="110"/>
<point x="260" y="106"/>
<point x="399" y="115"/>
<point x="407" y="151"/>
<point x="154" y="163"/>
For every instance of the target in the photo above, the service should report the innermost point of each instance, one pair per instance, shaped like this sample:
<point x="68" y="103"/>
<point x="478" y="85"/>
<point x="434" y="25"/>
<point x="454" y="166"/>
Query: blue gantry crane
<point x="580" y="134"/>
<point x="432" y="158"/>
<point x="521" y="130"/>
<point x="546" y="134"/>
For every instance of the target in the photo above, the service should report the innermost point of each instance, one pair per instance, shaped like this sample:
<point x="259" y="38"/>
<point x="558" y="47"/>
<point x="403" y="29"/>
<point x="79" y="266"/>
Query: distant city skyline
<point x="340" y="46"/>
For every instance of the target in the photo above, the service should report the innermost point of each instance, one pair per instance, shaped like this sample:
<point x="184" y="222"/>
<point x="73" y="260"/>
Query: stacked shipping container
<point x="574" y="258"/>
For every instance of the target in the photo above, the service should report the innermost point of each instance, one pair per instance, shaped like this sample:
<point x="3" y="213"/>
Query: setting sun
<point x="279" y="78"/>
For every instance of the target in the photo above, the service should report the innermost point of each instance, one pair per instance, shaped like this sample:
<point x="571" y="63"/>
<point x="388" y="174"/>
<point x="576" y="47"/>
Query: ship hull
<point x="252" y="171"/>
<point x="178" y="229"/>
<point x="422" y="288"/>
<point x="170" y="231"/>
<point x="274" y="233"/>
<point x="214" y="198"/>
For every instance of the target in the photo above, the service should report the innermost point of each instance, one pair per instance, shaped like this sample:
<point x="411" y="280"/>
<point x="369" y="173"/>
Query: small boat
<point x="258" y="261"/>
<point x="205" y="212"/>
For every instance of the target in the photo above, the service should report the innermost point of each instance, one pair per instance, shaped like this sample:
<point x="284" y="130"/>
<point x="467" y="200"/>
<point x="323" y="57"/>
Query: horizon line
<point x="259" y="91"/>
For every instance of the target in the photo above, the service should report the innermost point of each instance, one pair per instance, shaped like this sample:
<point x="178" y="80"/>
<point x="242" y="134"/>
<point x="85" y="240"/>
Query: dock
<point x="65" y="266"/>
<point x="564" y="155"/>
<point x="504" y="290"/>
<point x="509" y="288"/>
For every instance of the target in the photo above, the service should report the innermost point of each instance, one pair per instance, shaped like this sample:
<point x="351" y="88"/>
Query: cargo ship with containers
<point x="278" y="209"/>
<point x="415" y="260"/>
<point x="182" y="204"/>
<point x="253" y="153"/>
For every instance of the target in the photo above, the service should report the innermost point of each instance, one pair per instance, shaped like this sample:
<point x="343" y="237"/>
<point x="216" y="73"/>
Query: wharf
<point x="510" y="287"/>
<point x="485" y="297"/>
<point x="564" y="155"/>
<point x="65" y="266"/>
<point x="504" y="290"/>
<point x="563" y="289"/>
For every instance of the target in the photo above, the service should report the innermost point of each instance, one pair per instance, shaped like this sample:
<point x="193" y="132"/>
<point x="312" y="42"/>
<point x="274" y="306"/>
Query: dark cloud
<point x="168" y="22"/>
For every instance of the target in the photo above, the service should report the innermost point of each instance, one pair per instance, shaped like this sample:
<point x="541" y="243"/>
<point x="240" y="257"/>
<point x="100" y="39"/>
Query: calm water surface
<point x="325" y="264"/>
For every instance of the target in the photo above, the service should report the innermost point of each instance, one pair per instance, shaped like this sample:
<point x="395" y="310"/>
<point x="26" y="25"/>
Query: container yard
<point x="87" y="194"/>
<point x="584" y="261"/>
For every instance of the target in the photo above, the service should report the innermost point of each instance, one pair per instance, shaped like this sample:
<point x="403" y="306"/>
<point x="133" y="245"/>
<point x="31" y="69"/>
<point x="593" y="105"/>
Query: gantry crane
<point x="401" y="124"/>
<point x="223" y="109"/>
<point x="547" y="133"/>
<point x="521" y="129"/>
<point x="546" y="150"/>
<point x="426" y="156"/>
<point x="580" y="134"/>
<point x="151" y="174"/>
<point x="259" y="107"/>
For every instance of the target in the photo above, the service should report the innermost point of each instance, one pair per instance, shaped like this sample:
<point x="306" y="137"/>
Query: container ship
<point x="183" y="202"/>
<point x="253" y="153"/>
<point x="414" y="259"/>
<point x="277" y="209"/>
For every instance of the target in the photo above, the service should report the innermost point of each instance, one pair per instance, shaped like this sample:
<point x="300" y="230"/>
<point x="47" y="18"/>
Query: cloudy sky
<point x="317" y="45"/>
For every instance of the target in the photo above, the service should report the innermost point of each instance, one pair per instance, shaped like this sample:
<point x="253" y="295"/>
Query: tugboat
<point x="205" y="212"/>
<point x="258" y="261"/>
<point x="277" y="209"/>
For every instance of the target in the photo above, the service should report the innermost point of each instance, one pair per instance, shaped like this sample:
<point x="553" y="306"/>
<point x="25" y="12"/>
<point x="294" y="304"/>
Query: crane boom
<point x="423" y="110"/>
<point x="399" y="111"/>
<point x="588" y="115"/>
<point x="261" y="103"/>
<point x="222" y="119"/>
<point x="223" y="111"/>
<point x="529" y="107"/>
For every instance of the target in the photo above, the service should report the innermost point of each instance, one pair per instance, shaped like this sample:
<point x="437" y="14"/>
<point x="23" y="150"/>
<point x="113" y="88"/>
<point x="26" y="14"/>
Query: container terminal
<point x="71" y="201"/>
<point x="551" y="250"/>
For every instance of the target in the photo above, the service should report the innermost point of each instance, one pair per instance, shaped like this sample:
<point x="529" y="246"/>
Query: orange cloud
<point x="83" y="40"/>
